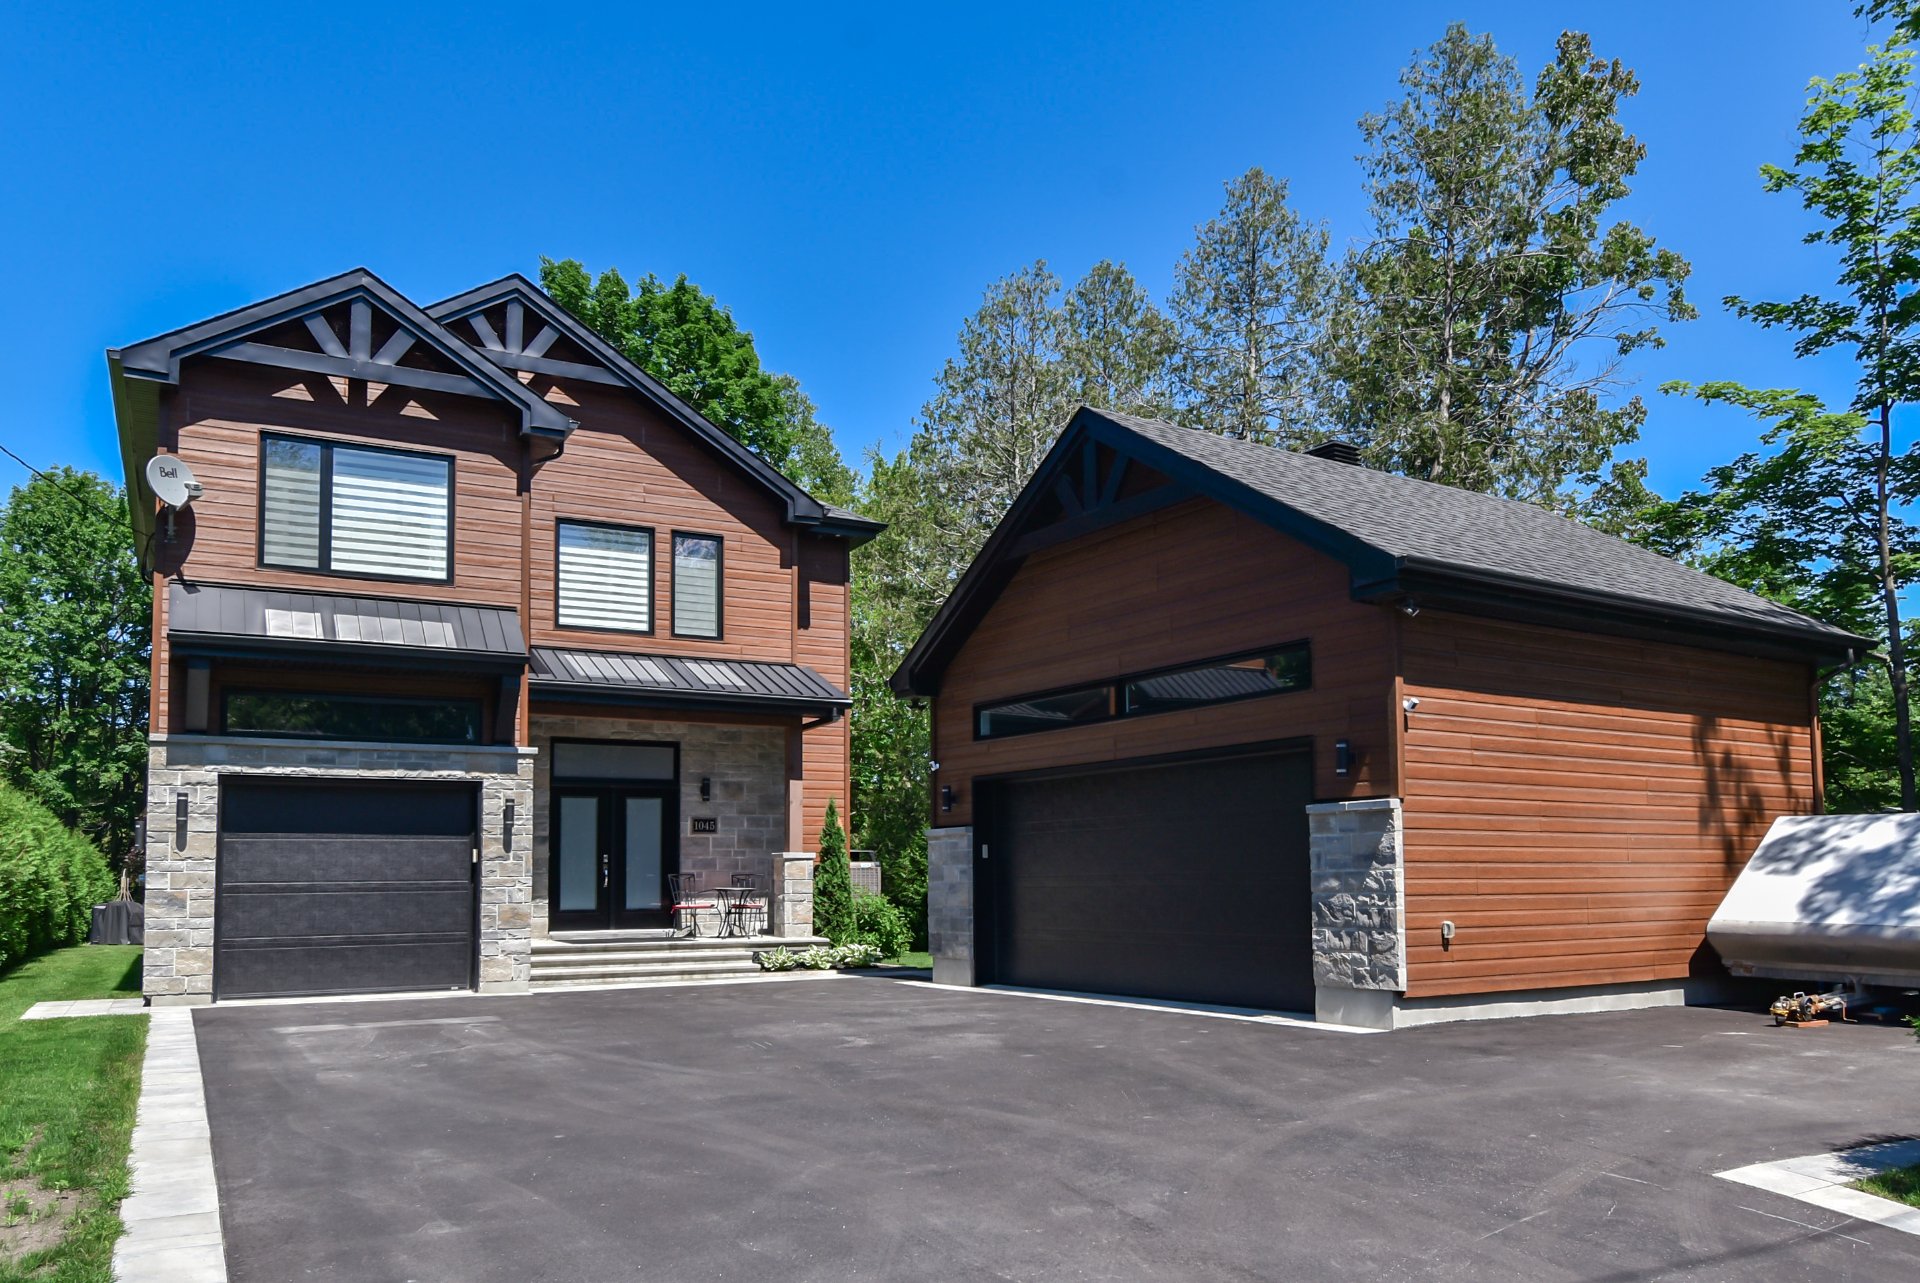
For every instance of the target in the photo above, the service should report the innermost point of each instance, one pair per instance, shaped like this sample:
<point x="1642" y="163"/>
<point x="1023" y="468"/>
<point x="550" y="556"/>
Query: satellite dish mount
<point x="173" y="484"/>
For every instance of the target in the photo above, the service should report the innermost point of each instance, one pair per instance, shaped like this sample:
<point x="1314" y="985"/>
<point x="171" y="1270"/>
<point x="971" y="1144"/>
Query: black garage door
<point x="1185" y="881"/>
<point x="343" y="888"/>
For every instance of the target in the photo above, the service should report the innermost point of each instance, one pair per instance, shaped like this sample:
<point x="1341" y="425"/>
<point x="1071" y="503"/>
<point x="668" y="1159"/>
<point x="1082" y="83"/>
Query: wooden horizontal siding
<point x="1185" y="584"/>
<point x="1578" y="805"/>
<point x="821" y="637"/>
<point x="218" y="417"/>
<point x="629" y="464"/>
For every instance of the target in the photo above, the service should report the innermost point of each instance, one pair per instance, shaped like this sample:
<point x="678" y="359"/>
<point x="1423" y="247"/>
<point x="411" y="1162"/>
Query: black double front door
<point x="611" y="851"/>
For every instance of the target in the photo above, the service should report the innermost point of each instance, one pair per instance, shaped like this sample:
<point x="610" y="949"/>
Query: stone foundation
<point x="182" y="860"/>
<point x="748" y="767"/>
<point x="1359" y="905"/>
<point x="950" y="904"/>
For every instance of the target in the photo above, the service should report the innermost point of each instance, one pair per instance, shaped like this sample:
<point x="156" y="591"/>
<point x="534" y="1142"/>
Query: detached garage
<point x="1221" y="723"/>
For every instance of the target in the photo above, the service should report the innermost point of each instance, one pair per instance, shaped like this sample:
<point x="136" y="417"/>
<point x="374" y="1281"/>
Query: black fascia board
<point x="1487" y="593"/>
<point x="246" y="646"/>
<point x="158" y="359"/>
<point x="802" y="508"/>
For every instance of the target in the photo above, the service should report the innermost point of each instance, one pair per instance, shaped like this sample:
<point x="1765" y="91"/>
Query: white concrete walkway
<point x="1823" y="1180"/>
<point x="85" y="1007"/>
<point x="173" y="1214"/>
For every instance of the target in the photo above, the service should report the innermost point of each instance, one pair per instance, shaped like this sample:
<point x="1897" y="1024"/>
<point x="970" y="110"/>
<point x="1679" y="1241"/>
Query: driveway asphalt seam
<point x="173" y="1214"/>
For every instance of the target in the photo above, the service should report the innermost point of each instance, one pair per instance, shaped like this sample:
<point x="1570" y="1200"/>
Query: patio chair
<point x="684" y="890"/>
<point x="748" y="912"/>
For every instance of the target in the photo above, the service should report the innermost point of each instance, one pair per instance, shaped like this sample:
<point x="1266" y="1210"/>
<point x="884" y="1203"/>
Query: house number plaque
<point x="703" y="824"/>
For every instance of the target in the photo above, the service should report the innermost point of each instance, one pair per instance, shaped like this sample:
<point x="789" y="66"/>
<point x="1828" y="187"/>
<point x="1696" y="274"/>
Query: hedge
<point x="50" y="879"/>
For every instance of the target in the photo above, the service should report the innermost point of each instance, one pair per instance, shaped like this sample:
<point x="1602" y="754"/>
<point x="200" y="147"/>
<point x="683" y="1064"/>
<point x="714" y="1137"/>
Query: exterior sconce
<point x="180" y="818"/>
<point x="1342" y="757"/>
<point x="506" y="825"/>
<point x="706" y="788"/>
<point x="946" y="797"/>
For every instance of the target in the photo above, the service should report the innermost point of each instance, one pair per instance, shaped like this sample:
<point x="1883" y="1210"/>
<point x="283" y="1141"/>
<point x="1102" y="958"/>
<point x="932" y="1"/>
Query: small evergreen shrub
<point x="50" y="879"/>
<point x="833" y="882"/>
<point x="878" y="921"/>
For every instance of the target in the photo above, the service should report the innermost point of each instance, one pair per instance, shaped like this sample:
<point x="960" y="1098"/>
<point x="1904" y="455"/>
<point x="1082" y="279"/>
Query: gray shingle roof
<point x="1420" y="521"/>
<point x="279" y="619"/>
<point x="675" y="679"/>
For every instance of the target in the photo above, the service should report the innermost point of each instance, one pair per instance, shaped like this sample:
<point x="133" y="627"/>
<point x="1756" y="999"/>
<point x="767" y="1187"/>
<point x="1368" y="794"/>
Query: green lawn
<point x="1902" y="1185"/>
<point x="912" y="960"/>
<point x="66" y="1114"/>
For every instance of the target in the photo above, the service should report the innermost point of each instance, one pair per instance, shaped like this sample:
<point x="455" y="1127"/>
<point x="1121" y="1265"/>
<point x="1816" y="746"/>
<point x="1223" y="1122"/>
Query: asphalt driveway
<point x="855" y="1128"/>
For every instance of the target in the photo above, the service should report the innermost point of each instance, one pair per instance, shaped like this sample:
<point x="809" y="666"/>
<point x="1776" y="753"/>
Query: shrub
<point x="878" y="921"/>
<point x="50" y="879"/>
<point x="818" y="958"/>
<point x="833" y="882"/>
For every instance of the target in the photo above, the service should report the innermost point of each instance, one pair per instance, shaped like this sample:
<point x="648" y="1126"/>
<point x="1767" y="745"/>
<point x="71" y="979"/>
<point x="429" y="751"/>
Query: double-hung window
<point x="355" y="510"/>
<point x="604" y="577"/>
<point x="696" y="585"/>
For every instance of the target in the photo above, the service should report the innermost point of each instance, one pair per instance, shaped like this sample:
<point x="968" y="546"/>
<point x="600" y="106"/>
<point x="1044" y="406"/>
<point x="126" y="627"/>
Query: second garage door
<point x="343" y="888"/>
<point x="1184" y="881"/>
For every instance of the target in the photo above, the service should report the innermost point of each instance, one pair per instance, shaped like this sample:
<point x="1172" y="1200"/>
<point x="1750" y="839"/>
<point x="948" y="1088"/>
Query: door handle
<point x="606" y="863"/>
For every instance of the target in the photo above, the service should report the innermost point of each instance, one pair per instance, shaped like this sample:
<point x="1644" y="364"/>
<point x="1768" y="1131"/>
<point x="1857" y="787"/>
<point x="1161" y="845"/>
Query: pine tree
<point x="833" y="882"/>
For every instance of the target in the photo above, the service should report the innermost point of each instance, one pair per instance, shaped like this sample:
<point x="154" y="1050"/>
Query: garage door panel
<point x="304" y="912"/>
<point x="336" y="860"/>
<point x="342" y="966"/>
<point x="343" y="887"/>
<point x="1186" y="881"/>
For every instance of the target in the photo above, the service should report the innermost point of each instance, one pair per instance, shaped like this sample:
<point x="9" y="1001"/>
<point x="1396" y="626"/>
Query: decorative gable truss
<point x="353" y="327"/>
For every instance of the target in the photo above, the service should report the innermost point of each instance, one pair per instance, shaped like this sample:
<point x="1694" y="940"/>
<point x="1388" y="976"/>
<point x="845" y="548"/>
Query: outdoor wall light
<point x="506" y="825"/>
<point x="1342" y="757"/>
<point x="946" y="797"/>
<point x="706" y="788"/>
<point x="180" y="818"/>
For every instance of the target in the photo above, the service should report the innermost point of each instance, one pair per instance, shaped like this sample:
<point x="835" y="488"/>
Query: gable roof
<point x="523" y="347"/>
<point x="1404" y="541"/>
<point x="139" y="370"/>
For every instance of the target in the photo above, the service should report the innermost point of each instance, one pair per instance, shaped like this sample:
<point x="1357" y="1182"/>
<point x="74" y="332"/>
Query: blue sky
<point x="847" y="181"/>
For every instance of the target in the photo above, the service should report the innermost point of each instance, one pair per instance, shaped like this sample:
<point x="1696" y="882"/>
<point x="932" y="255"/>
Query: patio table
<point x="735" y="904"/>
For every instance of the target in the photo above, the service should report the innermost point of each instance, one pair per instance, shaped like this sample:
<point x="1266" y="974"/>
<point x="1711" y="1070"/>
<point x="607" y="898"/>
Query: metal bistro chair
<point x="747" y="906"/>
<point x="684" y="890"/>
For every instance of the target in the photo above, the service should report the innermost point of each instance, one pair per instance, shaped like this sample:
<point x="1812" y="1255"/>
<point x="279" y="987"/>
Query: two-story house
<point x="474" y="635"/>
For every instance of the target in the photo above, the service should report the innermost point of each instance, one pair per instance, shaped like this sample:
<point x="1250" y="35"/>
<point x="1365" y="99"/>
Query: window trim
<point x="478" y="706"/>
<point x="653" y="577"/>
<point x="1116" y="688"/>
<point x="719" y="586"/>
<point x="326" y="446"/>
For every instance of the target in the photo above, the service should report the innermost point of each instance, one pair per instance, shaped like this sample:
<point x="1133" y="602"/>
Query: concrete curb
<point x="173" y="1214"/>
<point x="1823" y="1180"/>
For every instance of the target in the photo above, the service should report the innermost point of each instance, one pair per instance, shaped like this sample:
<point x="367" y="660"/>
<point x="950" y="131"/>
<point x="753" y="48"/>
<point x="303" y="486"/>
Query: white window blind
<point x="696" y="586"/>
<point x="389" y="514"/>
<point x="605" y="577"/>
<point x="290" y="504"/>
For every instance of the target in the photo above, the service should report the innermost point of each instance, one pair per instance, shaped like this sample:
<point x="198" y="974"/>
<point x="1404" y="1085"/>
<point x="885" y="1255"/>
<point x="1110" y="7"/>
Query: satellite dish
<point x="172" y="480"/>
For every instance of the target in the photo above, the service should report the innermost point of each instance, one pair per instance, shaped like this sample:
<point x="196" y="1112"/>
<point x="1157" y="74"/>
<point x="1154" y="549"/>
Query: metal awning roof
<point x="213" y="617"/>
<point x="677" y="682"/>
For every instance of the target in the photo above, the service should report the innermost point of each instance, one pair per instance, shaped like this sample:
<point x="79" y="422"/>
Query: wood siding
<point x="1577" y="805"/>
<point x="822" y="636"/>
<point x="218" y="415"/>
<point x="1191" y="582"/>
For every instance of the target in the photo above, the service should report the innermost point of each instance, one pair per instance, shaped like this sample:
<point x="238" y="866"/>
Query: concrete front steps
<point x="568" y="959"/>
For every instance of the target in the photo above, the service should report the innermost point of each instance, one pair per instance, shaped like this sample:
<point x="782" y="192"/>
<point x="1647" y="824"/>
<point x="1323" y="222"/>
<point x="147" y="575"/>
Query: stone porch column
<point x="792" y="914"/>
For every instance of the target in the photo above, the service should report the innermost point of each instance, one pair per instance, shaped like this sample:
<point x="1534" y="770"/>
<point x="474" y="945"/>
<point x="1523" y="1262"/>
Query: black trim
<point x="321" y="650"/>
<point x="327" y="446"/>
<point x="616" y="742"/>
<point x="1115" y="688"/>
<point x="653" y="554"/>
<point x="719" y="585"/>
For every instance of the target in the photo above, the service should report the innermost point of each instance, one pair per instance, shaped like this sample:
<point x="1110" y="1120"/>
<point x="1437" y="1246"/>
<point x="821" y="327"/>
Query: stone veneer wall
<point x="1359" y="904"/>
<point x="950" y="904"/>
<point x="748" y="767"/>
<point x="181" y="866"/>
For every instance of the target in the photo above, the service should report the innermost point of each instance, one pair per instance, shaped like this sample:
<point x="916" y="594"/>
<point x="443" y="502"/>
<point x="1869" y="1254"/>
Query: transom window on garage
<point x="605" y="577"/>
<point x="329" y="716"/>
<point x="1270" y="671"/>
<point x="355" y="510"/>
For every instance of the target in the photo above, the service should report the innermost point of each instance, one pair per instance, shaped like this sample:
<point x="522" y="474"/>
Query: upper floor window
<point x="355" y="510"/>
<point x="605" y="577"/>
<point x="1270" y="671"/>
<point x="696" y="585"/>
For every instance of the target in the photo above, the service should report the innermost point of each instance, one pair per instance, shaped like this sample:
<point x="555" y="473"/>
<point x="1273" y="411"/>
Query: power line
<point x="84" y="503"/>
